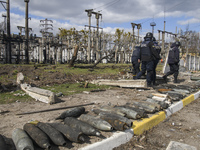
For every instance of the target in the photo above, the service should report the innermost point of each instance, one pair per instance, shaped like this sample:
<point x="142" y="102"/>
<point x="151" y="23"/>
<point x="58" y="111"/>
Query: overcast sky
<point x="115" y="14"/>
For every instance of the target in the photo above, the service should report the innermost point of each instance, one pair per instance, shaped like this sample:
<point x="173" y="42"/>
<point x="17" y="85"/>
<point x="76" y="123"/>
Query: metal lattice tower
<point x="45" y="23"/>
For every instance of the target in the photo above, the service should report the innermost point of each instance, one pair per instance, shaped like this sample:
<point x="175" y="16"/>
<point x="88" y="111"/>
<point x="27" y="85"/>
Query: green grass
<point x="102" y="69"/>
<point x="159" y="67"/>
<point x="10" y="97"/>
<point x="66" y="89"/>
<point x="70" y="89"/>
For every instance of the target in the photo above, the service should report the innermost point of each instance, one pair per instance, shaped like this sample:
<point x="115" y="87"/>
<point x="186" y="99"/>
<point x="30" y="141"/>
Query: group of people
<point x="148" y="53"/>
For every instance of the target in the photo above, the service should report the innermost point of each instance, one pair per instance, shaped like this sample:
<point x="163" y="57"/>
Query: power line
<point x="104" y="5"/>
<point x="146" y="21"/>
<point x="175" y="5"/>
<point x="165" y="11"/>
<point x="108" y="4"/>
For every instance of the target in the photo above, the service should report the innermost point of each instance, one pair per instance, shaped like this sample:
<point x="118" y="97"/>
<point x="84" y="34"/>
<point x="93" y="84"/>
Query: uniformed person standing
<point x="134" y="60"/>
<point x="147" y="54"/>
<point x="155" y="61"/>
<point x="173" y="61"/>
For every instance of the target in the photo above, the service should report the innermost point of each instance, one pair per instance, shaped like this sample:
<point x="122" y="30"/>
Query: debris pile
<point x="75" y="124"/>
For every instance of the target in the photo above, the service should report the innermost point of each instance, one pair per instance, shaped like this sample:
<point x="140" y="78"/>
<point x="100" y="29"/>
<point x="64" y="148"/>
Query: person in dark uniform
<point x="134" y="60"/>
<point x="173" y="61"/>
<point x="147" y="54"/>
<point x="155" y="61"/>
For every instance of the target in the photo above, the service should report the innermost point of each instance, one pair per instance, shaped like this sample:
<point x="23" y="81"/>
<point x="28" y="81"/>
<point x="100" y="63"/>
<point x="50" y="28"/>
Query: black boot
<point x="175" y="80"/>
<point x="149" y="85"/>
<point x="165" y="78"/>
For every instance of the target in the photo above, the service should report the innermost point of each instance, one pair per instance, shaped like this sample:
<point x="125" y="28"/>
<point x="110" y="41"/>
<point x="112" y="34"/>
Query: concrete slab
<point x="123" y="83"/>
<point x="174" y="108"/>
<point x="20" y="78"/>
<point x="179" y="146"/>
<point x="115" y="140"/>
<point x="42" y="95"/>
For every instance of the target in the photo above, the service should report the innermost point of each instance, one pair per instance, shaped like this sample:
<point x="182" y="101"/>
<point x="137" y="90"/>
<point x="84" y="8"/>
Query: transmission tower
<point x="47" y="24"/>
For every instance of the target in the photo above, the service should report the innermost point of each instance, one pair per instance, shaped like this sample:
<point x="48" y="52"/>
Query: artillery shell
<point x="116" y="111"/>
<point x="21" y="140"/>
<point x="97" y="111"/>
<point x="40" y="138"/>
<point x="96" y="122"/>
<point x="128" y="122"/>
<point x="131" y="114"/>
<point x="176" y="95"/>
<point x="161" y="103"/>
<point x="141" y="112"/>
<point x="68" y="132"/>
<point x="3" y="145"/>
<point x="73" y="112"/>
<point x="148" y="109"/>
<point x="150" y="104"/>
<point x="53" y="134"/>
<point x="82" y="126"/>
<point x="117" y="124"/>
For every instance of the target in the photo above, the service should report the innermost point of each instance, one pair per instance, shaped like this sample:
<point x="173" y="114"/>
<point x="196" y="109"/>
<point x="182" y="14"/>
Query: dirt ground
<point x="183" y="127"/>
<point x="115" y="96"/>
<point x="118" y="96"/>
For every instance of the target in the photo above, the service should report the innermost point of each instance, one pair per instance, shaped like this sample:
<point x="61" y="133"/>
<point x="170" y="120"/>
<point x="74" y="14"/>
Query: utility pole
<point x="8" y="32"/>
<point x="89" y="11"/>
<point x="139" y="27"/>
<point x="97" y="15"/>
<point x="133" y="44"/>
<point x="8" y="38"/>
<point x="22" y="29"/>
<point x="45" y="33"/>
<point x="163" y="40"/>
<point x="159" y="37"/>
<point x="26" y="34"/>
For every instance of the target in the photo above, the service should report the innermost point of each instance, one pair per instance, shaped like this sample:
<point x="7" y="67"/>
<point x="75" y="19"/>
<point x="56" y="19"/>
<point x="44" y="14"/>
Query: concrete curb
<point x="115" y="140"/>
<point x="145" y="124"/>
<point x="140" y="126"/>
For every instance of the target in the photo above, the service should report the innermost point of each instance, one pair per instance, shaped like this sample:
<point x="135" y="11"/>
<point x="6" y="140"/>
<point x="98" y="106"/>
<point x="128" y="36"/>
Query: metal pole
<point x="89" y="35"/>
<point x="133" y="26"/>
<point x="26" y="33"/>
<point x="8" y="56"/>
<point x="97" y="38"/>
<point x="159" y="37"/>
<point x="138" y="27"/>
<point x="163" y="40"/>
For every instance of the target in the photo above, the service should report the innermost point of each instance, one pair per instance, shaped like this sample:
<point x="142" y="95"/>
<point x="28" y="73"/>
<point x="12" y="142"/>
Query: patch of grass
<point x="11" y="97"/>
<point x="70" y="89"/>
<point x="159" y="67"/>
<point x="66" y="89"/>
<point x="15" y="72"/>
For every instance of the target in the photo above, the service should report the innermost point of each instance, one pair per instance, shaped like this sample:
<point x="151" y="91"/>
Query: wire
<point x="175" y="5"/>
<point x="108" y="4"/>
<point x="165" y="11"/>
<point x="104" y="5"/>
<point x="146" y="20"/>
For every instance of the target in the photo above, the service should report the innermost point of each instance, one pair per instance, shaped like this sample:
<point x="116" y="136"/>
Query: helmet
<point x="149" y="35"/>
<point x="178" y="43"/>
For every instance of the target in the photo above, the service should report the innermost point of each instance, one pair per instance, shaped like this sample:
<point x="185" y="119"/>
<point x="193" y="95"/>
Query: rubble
<point x="122" y="83"/>
<point x="39" y="94"/>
